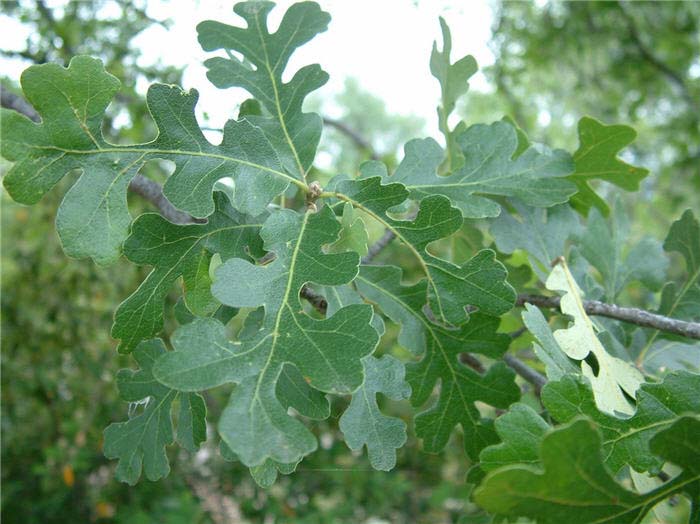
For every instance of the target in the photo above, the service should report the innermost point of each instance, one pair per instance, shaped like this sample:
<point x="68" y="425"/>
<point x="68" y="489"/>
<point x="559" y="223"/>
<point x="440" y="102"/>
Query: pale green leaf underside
<point x="615" y="377"/>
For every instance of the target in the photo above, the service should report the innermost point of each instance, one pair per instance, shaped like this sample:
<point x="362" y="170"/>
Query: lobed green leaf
<point x="141" y="441"/>
<point x="93" y="219"/>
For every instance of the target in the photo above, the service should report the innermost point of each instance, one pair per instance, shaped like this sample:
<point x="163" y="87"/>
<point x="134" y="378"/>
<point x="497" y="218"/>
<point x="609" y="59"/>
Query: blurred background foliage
<point x="636" y="63"/>
<point x="633" y="63"/>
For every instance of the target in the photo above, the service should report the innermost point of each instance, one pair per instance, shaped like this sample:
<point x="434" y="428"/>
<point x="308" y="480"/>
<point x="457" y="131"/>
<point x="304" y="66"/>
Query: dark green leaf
<point x="573" y="484"/>
<point x="174" y="251"/>
<point x="479" y="282"/>
<point x="294" y="134"/>
<point x="596" y="158"/>
<point x="460" y="386"/>
<point x="679" y="444"/>
<point x="191" y="421"/>
<point x="521" y="430"/>
<point x="293" y="391"/>
<point x="326" y="352"/>
<point x="363" y="424"/>
<point x="141" y="440"/>
<point x="684" y="238"/>
<point x="93" y="219"/>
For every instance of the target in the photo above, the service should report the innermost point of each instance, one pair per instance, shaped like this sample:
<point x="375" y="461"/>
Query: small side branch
<point x="532" y="376"/>
<point x="378" y="246"/>
<point x="636" y="316"/>
<point x="361" y="142"/>
<point x="153" y="192"/>
<point x="315" y="299"/>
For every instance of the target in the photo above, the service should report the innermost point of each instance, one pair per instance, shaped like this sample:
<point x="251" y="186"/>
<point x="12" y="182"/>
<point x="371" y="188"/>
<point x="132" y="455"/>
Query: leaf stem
<point x="395" y="234"/>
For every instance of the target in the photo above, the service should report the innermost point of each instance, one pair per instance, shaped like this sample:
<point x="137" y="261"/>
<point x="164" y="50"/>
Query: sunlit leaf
<point x="613" y="377"/>
<point x="596" y="159"/>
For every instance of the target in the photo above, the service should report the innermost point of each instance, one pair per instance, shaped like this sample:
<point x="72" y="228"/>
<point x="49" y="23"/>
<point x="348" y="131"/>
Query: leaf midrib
<point x="278" y="319"/>
<point x="181" y="152"/>
<point x="278" y="105"/>
<point x="403" y="239"/>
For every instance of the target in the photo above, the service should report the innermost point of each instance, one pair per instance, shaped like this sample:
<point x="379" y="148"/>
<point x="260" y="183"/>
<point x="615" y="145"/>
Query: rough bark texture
<point x="632" y="315"/>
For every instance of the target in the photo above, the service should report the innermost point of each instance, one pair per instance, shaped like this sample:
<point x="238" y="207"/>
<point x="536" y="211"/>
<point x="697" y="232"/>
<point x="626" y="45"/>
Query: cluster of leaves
<point x="250" y="258"/>
<point x="628" y="61"/>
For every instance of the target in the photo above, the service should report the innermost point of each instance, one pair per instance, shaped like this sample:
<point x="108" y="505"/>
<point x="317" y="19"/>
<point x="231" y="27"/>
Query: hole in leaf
<point x="592" y="361"/>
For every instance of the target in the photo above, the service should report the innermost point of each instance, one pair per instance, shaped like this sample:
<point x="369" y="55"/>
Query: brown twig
<point x="153" y="192"/>
<point x="533" y="377"/>
<point x="353" y="135"/>
<point x="378" y="246"/>
<point x="317" y="300"/>
<point x="530" y="375"/>
<point x="632" y="315"/>
<point x="361" y="142"/>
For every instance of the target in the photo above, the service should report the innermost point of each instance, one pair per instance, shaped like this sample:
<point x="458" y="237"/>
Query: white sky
<point x="385" y="44"/>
